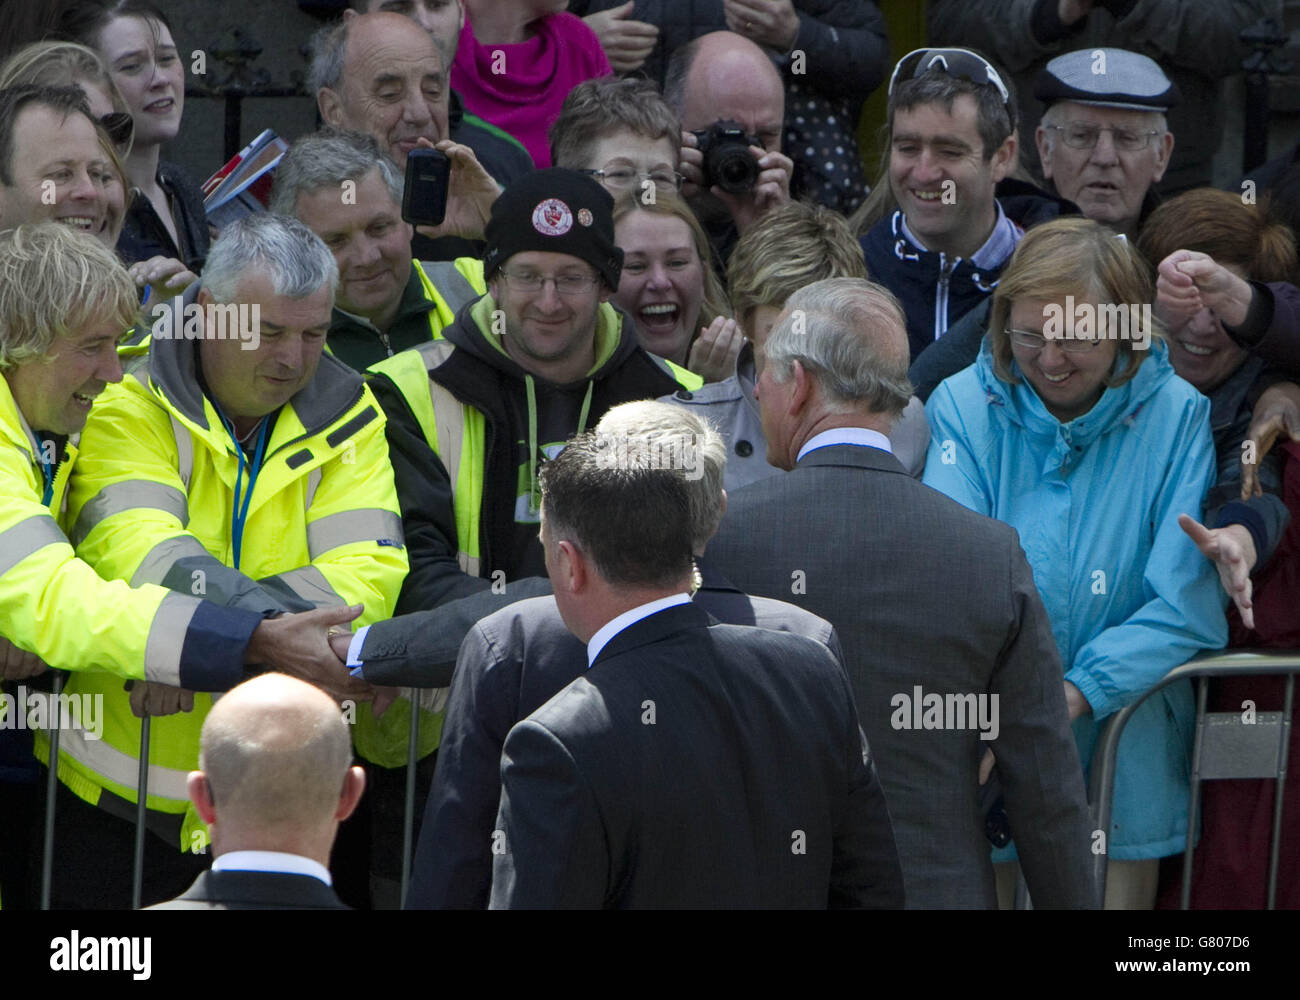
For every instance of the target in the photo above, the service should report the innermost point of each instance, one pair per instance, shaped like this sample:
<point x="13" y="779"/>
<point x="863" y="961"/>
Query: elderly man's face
<point x="1108" y="183"/>
<point x="370" y="242"/>
<point x="250" y="384"/>
<point x="394" y="86"/>
<point x="60" y="172"/>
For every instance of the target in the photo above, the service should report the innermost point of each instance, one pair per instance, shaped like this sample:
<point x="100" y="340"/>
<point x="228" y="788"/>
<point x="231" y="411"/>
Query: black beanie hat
<point x="558" y="211"/>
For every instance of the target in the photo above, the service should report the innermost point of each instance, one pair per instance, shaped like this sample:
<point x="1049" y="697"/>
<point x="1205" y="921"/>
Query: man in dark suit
<point x="515" y="660"/>
<point x="694" y="764"/>
<point x="275" y="783"/>
<point x="948" y="647"/>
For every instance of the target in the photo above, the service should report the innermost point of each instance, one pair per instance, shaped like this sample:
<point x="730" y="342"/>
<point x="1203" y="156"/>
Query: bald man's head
<point x="275" y="751"/>
<point x="722" y="75"/>
<point x="391" y="82"/>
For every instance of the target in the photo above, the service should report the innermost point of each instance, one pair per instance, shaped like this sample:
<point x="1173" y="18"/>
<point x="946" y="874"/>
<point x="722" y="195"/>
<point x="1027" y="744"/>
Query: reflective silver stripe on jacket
<point x="130" y="495"/>
<point x="162" y="652"/>
<point x="163" y="556"/>
<point x="347" y="527"/>
<point x="110" y="763"/>
<point x="26" y="537"/>
<point x="310" y="584"/>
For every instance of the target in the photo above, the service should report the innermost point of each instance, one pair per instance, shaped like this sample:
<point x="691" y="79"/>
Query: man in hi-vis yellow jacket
<point x="243" y="465"/>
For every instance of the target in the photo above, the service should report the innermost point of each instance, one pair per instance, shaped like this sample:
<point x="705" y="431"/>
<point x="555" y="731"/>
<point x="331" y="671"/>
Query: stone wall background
<point x="282" y="28"/>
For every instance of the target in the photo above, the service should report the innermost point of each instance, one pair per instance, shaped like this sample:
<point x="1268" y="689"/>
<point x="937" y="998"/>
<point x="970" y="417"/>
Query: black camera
<point x="728" y="163"/>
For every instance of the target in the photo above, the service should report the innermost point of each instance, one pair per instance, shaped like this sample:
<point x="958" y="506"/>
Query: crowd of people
<point x="702" y="526"/>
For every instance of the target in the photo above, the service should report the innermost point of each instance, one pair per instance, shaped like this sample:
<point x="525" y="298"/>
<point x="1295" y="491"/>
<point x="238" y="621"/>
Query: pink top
<point x="519" y="88"/>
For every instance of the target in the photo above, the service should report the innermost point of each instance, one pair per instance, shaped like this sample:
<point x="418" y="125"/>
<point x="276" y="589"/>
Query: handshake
<point x="311" y="645"/>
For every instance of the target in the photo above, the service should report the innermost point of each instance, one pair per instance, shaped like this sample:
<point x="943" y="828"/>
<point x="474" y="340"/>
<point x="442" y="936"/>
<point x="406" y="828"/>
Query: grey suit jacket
<point x="928" y="599"/>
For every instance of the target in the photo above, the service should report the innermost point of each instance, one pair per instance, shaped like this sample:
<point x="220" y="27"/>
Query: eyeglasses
<point x="622" y="178"/>
<point x="1030" y="341"/>
<point x="960" y="63"/>
<point x="120" y="127"/>
<point x="530" y="282"/>
<point x="1081" y="135"/>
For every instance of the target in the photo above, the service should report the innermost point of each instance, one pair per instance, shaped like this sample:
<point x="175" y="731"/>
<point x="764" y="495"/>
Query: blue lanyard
<point x="240" y="512"/>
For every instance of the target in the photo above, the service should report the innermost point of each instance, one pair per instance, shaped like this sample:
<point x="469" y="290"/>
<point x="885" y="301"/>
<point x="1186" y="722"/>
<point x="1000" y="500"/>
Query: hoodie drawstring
<point x="534" y="491"/>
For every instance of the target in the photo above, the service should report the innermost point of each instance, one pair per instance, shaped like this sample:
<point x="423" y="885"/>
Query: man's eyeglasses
<point x="120" y="127"/>
<point x="1081" y="135"/>
<point x="960" y="63"/>
<point x="1030" y="341"/>
<point x="623" y="178"/>
<point x="530" y="282"/>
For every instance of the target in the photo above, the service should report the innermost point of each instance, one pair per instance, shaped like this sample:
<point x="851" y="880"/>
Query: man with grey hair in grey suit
<point x="947" y="645"/>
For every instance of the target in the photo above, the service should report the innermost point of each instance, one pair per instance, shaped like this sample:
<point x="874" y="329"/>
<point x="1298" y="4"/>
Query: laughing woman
<point x="1091" y="448"/>
<point x="669" y="287"/>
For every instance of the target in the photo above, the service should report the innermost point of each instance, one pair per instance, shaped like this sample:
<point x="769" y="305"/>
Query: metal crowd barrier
<point x="1225" y="747"/>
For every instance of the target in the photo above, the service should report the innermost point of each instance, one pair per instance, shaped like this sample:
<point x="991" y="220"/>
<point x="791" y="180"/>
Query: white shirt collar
<point x="862" y="436"/>
<point x="616" y="625"/>
<point x="271" y="861"/>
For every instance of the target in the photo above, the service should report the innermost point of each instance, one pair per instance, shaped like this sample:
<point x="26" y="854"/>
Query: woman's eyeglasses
<point x="1029" y="341"/>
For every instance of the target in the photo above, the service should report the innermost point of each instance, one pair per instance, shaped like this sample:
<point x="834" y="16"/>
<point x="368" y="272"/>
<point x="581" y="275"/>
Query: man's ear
<point x="571" y="567"/>
<point x="354" y="784"/>
<point x="201" y="795"/>
<point x="204" y="299"/>
<point x="1004" y="159"/>
<point x="330" y="106"/>
<point x="1164" y="149"/>
<point x="803" y="386"/>
<point x="1044" y="148"/>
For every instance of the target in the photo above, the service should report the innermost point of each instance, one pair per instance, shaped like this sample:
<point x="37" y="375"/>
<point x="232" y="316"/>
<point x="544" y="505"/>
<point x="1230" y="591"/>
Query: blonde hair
<point x="1079" y="257"/>
<point x="59" y="64"/>
<point x="651" y="424"/>
<point x="789" y="248"/>
<point x="715" y="302"/>
<point x="53" y="283"/>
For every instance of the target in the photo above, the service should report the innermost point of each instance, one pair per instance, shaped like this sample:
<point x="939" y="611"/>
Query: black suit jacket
<point x="924" y="592"/>
<point x="510" y="664"/>
<point x="695" y="765"/>
<point x="247" y="890"/>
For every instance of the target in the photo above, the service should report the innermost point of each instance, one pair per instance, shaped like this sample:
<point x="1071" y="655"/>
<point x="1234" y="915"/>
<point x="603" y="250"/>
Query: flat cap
<point x="1107" y="78"/>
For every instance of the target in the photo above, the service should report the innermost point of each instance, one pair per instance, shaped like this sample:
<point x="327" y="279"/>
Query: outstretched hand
<point x="1232" y="550"/>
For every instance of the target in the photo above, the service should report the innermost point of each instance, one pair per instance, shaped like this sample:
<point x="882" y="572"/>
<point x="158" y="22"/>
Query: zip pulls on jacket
<point x="946" y="268"/>
<point x="239" y="513"/>
<point x="47" y="474"/>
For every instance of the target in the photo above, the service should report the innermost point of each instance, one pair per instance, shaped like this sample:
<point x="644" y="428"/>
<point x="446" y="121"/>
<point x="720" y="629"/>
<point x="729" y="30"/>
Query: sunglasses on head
<point x="960" y="63"/>
<point x="120" y="126"/>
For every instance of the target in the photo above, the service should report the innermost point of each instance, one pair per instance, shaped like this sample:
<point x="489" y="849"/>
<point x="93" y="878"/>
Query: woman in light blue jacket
<point x="1073" y="428"/>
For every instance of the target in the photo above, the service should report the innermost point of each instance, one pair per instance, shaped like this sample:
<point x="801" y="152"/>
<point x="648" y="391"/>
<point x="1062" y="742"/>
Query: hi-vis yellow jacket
<point x="56" y="606"/>
<point x="153" y="500"/>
